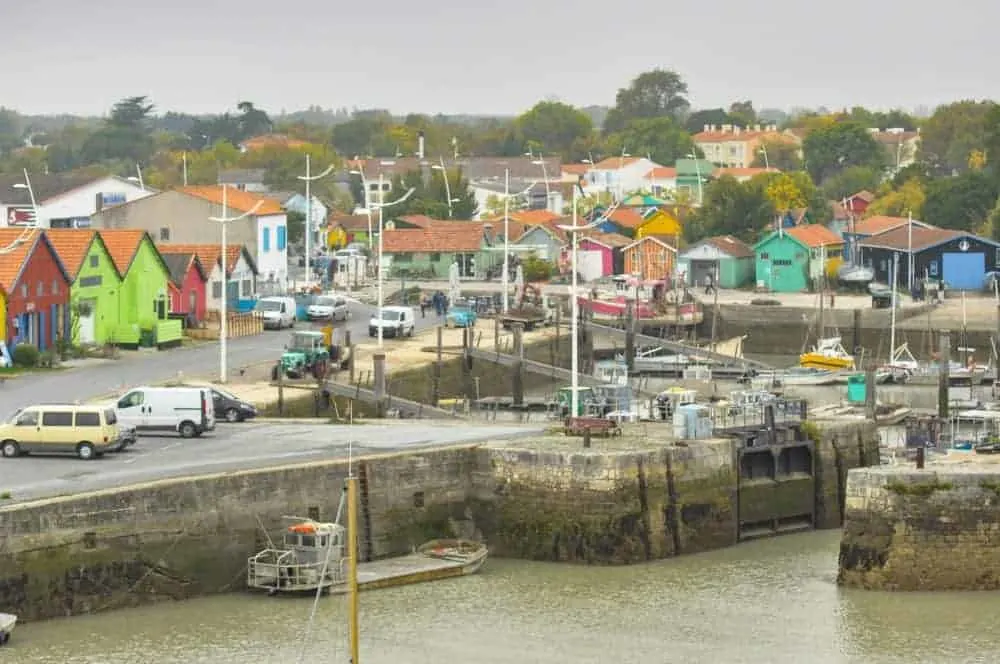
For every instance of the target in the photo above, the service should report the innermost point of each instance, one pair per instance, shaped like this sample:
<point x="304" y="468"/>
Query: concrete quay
<point x="139" y="537"/>
<point x="930" y="529"/>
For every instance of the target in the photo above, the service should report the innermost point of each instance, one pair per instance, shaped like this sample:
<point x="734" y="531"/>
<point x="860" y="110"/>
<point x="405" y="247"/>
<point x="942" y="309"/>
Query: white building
<point x="619" y="175"/>
<point x="63" y="201"/>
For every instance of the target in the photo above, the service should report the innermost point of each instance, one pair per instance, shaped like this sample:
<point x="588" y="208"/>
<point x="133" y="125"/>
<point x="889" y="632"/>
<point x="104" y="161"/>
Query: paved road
<point x="137" y="368"/>
<point x="232" y="447"/>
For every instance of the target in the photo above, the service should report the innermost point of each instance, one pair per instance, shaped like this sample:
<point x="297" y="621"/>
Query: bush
<point x="25" y="356"/>
<point x="48" y="359"/>
<point x="536" y="269"/>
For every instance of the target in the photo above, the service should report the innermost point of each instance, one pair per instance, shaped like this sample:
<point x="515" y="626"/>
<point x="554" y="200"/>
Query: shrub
<point x="536" y="269"/>
<point x="48" y="359"/>
<point x="25" y="356"/>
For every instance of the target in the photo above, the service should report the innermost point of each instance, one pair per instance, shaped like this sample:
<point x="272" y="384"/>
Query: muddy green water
<point x="772" y="601"/>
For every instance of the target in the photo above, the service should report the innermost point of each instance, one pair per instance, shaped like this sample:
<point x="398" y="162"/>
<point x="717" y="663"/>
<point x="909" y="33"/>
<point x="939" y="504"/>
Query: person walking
<point x="423" y="305"/>
<point x="709" y="284"/>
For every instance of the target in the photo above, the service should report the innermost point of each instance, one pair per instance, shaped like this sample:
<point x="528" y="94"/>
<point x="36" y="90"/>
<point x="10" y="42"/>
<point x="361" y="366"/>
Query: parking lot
<point x="231" y="447"/>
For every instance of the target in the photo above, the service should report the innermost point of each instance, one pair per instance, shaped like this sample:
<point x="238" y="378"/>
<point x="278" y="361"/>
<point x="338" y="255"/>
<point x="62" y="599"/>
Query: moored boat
<point x="829" y="354"/>
<point x="7" y="623"/>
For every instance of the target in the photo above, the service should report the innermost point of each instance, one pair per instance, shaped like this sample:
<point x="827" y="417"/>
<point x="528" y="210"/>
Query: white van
<point x="190" y="411"/>
<point x="278" y="311"/>
<point x="394" y="321"/>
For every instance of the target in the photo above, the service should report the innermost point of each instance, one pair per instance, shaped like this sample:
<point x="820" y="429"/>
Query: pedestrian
<point x="423" y="305"/>
<point x="709" y="284"/>
<point x="438" y="305"/>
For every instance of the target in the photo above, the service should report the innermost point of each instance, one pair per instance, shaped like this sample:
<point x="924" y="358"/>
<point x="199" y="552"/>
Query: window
<point x="281" y="238"/>
<point x="164" y="234"/>
<point x="55" y="287"/>
<point x="57" y="419"/>
<point x="781" y="262"/>
<point x="266" y="239"/>
<point x="931" y="268"/>
<point x="246" y="287"/>
<point x="110" y="417"/>
<point x="95" y="260"/>
<point x="402" y="258"/>
<point x="28" y="418"/>
<point x="88" y="419"/>
<point x="24" y="290"/>
<point x="131" y="399"/>
<point x="765" y="256"/>
<point x="216" y="289"/>
<point x="39" y="289"/>
<point x="436" y="258"/>
<point x="997" y="259"/>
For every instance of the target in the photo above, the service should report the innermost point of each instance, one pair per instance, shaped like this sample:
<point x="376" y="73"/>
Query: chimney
<point x="420" y="145"/>
<point x="707" y="128"/>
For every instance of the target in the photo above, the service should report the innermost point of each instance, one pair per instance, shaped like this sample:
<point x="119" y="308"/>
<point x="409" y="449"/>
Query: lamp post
<point x="223" y="314"/>
<point x="381" y="245"/>
<point x="697" y="170"/>
<point x="31" y="195"/>
<point x="545" y="175"/>
<point x="506" y="234"/>
<point x="574" y="303"/>
<point x="447" y="185"/>
<point x="359" y="171"/>
<point x="308" y="178"/>
<point x="621" y="164"/>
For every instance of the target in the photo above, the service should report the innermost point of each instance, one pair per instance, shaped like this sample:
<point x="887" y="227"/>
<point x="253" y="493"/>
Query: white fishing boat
<point x="855" y="274"/>
<point x="929" y="373"/>
<point x="795" y="376"/>
<point x="8" y="621"/>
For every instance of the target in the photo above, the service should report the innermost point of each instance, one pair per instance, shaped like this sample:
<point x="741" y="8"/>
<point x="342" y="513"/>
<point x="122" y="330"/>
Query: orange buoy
<point x="303" y="528"/>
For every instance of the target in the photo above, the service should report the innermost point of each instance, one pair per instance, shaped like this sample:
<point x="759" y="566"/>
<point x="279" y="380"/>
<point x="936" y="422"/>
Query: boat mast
<point x="352" y="563"/>
<point x="892" y="305"/>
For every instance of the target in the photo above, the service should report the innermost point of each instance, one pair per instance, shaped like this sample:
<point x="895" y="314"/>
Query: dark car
<point x="231" y="407"/>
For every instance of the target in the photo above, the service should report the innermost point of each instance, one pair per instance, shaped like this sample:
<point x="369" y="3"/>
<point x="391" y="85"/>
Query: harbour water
<point x="772" y="601"/>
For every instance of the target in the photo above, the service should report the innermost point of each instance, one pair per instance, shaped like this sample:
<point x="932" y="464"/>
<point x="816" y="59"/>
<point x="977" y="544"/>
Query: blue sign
<point x="112" y="198"/>
<point x="79" y="222"/>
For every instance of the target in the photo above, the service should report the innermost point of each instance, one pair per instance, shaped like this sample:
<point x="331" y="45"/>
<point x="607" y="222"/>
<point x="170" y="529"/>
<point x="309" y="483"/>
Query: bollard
<point x="920" y="457"/>
<point x="378" y="361"/>
<point x="586" y="437"/>
<point x="517" y="368"/>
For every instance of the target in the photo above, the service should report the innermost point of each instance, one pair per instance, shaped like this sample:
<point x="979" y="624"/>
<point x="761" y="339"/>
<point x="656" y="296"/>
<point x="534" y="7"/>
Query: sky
<point x="455" y="56"/>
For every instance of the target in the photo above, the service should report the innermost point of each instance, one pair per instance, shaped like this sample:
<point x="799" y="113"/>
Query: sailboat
<point x="853" y="272"/>
<point x="829" y="353"/>
<point x="897" y="372"/>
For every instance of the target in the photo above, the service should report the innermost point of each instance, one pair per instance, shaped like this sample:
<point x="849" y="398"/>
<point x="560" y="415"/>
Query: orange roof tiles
<point x="615" y="163"/>
<point x="240" y="201"/>
<point x="11" y="263"/>
<point x="814" y="235"/>
<point x="440" y="236"/>
<point x="71" y="245"/>
<point x="209" y="255"/>
<point x="576" y="169"/>
<point x="626" y="217"/>
<point x="122" y="244"/>
<point x="662" y="173"/>
<point x="533" y="216"/>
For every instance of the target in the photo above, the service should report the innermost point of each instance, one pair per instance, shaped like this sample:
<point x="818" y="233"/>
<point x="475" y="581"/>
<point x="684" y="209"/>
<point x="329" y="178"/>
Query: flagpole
<point x="909" y="251"/>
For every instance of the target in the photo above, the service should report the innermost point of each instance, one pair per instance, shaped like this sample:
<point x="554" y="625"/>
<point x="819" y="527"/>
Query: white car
<point x="328" y="307"/>
<point x="394" y="321"/>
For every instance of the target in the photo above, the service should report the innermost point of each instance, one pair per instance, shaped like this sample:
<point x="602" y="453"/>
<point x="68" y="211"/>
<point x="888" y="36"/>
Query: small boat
<point x="855" y="274"/>
<point x="829" y="353"/>
<point x="803" y="376"/>
<point x="313" y="558"/>
<point x="7" y="623"/>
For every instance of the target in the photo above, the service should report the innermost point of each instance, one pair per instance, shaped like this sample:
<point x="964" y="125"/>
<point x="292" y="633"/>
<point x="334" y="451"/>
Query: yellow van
<point x="86" y="431"/>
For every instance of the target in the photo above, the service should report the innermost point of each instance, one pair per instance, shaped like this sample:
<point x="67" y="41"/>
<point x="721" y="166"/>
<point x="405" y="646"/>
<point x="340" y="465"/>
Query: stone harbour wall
<point x="931" y="529"/>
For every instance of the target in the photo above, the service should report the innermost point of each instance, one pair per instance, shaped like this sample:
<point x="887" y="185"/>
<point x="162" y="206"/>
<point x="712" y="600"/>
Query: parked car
<point x="461" y="314"/>
<point x="189" y="411"/>
<point x="328" y="307"/>
<point x="394" y="321"/>
<point x="278" y="312"/>
<point x="87" y="431"/>
<point x="231" y="407"/>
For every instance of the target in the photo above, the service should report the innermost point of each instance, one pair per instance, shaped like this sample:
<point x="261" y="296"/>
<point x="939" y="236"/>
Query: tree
<point x="783" y="155"/>
<point x="126" y="135"/>
<point x="362" y="135"/>
<point x="742" y="113"/>
<point x="895" y="118"/>
<point x="905" y="200"/>
<point x="652" y="94"/>
<point x="954" y="132"/>
<point x="463" y="204"/>
<point x="661" y="139"/>
<point x="835" y="147"/>
<point x="962" y="202"/>
<point x="785" y="194"/>
<point x="731" y="208"/>
<point x="553" y="126"/>
<point x="850" y="181"/>
<point x="991" y="146"/>
<point x="994" y="222"/>
<point x="252" y="121"/>
<point x="697" y="121"/>
<point x="792" y="190"/>
<point x="296" y="222"/>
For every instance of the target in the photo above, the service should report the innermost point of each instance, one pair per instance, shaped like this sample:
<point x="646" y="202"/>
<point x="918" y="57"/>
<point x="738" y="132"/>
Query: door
<point x="28" y="429"/>
<point x="700" y="270"/>
<point x="192" y="304"/>
<point x="964" y="270"/>
<point x="132" y="410"/>
<point x="85" y="319"/>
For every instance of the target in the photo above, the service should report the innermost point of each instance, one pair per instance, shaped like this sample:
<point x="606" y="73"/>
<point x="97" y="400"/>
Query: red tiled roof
<point x="814" y="235"/>
<point x="882" y="223"/>
<point x="615" y="163"/>
<point x="626" y="217"/>
<point x="901" y="238"/>
<point x="533" y="216"/>
<point x="463" y="236"/>
<point x="864" y="195"/>
<point x="240" y="201"/>
<point x="71" y="245"/>
<point x="11" y="263"/>
<point x="576" y="169"/>
<point x="122" y="244"/>
<point x="209" y="255"/>
<point x="661" y="173"/>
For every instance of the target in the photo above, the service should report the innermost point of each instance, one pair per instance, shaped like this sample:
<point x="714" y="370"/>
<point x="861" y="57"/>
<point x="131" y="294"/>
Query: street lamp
<point x="545" y="175"/>
<point x="308" y="179"/>
<point x="381" y="245"/>
<point x="359" y="171"/>
<point x="506" y="233"/>
<point x="697" y="170"/>
<point x="621" y="164"/>
<point x="447" y="185"/>
<point x="574" y="303"/>
<point x="223" y="326"/>
<point x="31" y="194"/>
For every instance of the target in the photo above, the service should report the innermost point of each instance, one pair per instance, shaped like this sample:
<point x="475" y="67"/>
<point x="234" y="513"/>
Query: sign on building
<point x="20" y="216"/>
<point x="112" y="198"/>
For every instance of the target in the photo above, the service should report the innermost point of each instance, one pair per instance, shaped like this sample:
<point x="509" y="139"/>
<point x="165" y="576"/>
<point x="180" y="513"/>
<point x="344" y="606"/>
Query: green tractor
<point x="306" y="355"/>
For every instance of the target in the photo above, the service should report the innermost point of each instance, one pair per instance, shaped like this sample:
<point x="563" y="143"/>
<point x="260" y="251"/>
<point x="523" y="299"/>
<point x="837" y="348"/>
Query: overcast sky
<point x="456" y="56"/>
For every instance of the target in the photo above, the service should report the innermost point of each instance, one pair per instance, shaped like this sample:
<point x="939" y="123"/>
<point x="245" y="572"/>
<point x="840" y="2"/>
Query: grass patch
<point x="919" y="489"/>
<point x="990" y="485"/>
<point x="810" y="431"/>
<point x="5" y="495"/>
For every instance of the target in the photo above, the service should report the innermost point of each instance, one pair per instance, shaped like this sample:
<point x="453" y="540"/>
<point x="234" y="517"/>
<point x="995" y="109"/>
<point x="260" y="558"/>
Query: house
<point x="187" y="286"/>
<point x="662" y="181"/>
<point x="900" y="146"/>
<point x="34" y="291"/>
<point x="651" y="257"/>
<point x="692" y="176"/>
<point x="525" y="194"/>
<point x="144" y="298"/>
<point x="857" y="204"/>
<point x="734" y="146"/>
<point x="241" y="273"/>
<point x="573" y="172"/>
<point x="95" y="288"/>
<point x="959" y="259"/>
<point x="608" y="249"/>
<point x="296" y="202"/>
<point x="349" y="228"/>
<point x="618" y="175"/>
<point x="863" y="229"/>
<point x="244" y="179"/>
<point x="660" y="221"/>
<point x="428" y="252"/>
<point x="181" y="216"/>
<point x="726" y="260"/>
<point x="62" y="200"/>
<point x="794" y="259"/>
<point x="546" y="241"/>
